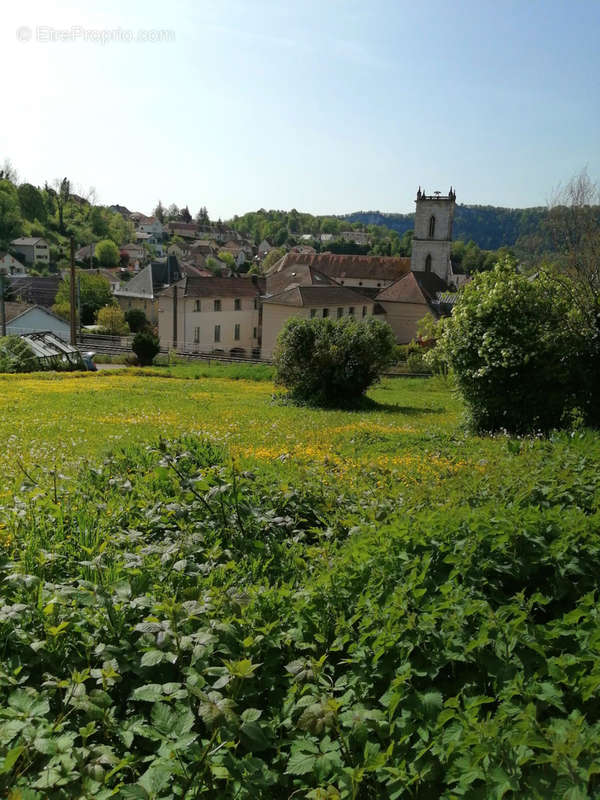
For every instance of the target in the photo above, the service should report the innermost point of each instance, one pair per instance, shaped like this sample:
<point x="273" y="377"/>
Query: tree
<point x="511" y="350"/>
<point x="202" y="216"/>
<point x="136" y="319"/>
<point x="185" y="215"/>
<point x="112" y="320"/>
<point x="272" y="257"/>
<point x="107" y="253"/>
<point x="10" y="213"/>
<point x="8" y="172"/>
<point x="32" y="203"/>
<point x="332" y="363"/>
<point x="573" y="225"/>
<point x="94" y="293"/>
<point x="62" y="193"/>
<point x="159" y="212"/>
<point x="145" y="345"/>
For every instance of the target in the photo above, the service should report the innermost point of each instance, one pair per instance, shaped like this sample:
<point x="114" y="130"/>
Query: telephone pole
<point x="72" y="287"/>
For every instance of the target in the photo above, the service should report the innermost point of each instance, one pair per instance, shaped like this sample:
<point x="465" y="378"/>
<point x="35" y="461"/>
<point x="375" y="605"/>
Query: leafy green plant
<point x="145" y="345"/>
<point x="16" y="355"/>
<point x="328" y="362"/>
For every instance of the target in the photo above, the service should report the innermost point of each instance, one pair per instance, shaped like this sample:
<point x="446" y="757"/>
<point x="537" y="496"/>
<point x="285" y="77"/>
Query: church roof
<point x="387" y="268"/>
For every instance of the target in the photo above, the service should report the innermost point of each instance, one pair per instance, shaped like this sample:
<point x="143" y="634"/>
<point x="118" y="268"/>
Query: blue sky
<point x="327" y="107"/>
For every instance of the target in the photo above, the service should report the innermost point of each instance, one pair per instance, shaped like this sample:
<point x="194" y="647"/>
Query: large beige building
<point x="211" y="315"/>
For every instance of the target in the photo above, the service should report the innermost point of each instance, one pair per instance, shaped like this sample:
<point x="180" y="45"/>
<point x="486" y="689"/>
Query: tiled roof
<point x="295" y="275"/>
<point x="341" y="266"/>
<point x="223" y="287"/>
<point x="328" y="296"/>
<point x="416" y="287"/>
<point x="28" y="240"/>
<point x="34" y="289"/>
<point x="12" y="310"/>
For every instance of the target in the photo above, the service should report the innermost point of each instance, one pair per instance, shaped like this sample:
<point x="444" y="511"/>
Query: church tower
<point x="432" y="238"/>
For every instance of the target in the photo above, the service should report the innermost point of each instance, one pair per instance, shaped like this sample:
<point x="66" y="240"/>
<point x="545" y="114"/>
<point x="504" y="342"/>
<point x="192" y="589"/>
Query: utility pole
<point x="72" y="287"/>
<point x="2" y="309"/>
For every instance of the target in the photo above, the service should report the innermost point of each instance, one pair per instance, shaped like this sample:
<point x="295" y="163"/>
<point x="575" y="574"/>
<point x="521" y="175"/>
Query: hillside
<point x="490" y="227"/>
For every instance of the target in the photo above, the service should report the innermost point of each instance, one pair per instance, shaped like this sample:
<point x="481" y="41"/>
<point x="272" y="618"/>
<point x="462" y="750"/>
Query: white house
<point x="32" y="248"/>
<point x="9" y="265"/>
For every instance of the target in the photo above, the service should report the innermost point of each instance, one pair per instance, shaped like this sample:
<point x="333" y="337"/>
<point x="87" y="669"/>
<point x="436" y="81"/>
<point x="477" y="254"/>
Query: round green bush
<point x="512" y="351"/>
<point x="332" y="363"/>
<point x="145" y="345"/>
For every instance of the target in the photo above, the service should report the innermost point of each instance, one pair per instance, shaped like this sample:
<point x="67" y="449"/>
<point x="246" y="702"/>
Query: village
<point x="205" y="291"/>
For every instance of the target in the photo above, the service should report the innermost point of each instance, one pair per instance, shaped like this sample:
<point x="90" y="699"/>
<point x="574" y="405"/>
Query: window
<point x="196" y="335"/>
<point x="254" y="333"/>
<point x="237" y="304"/>
<point x="360" y="283"/>
<point x="431" y="226"/>
<point x="428" y="263"/>
<point x="217" y="307"/>
<point x="325" y="312"/>
<point x="364" y="313"/>
<point x="236" y="333"/>
<point x="340" y="312"/>
<point x="255" y="303"/>
<point x="197" y="305"/>
<point x="351" y="311"/>
<point x="217" y="333"/>
<point x="313" y="312"/>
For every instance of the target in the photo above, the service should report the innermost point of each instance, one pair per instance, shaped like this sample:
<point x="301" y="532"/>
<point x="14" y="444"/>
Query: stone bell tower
<point x="432" y="238"/>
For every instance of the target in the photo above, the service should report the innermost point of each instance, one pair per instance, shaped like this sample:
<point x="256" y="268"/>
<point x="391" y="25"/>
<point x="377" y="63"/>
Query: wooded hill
<point x="490" y="227"/>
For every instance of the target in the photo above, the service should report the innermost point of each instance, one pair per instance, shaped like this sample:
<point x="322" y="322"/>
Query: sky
<point x="327" y="106"/>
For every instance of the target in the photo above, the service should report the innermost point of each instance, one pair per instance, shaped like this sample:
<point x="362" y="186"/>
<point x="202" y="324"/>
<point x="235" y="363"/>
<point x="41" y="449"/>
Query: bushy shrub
<point x="16" y="355"/>
<point x="136" y="319"/>
<point x="112" y="322"/>
<point x="329" y="362"/>
<point x="145" y="345"/>
<point x="512" y="351"/>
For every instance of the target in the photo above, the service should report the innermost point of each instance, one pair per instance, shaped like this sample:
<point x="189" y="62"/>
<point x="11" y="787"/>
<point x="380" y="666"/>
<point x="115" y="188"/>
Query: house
<point x="187" y="230"/>
<point x="358" y="237"/>
<point x="263" y="248"/>
<point x="33" y="289"/>
<point x="112" y="276"/>
<point x="85" y="254"/>
<point x="153" y="226"/>
<point x="9" y="265"/>
<point x="142" y="290"/>
<point x="326" y="300"/>
<point x="366" y="273"/>
<point x="409" y="299"/>
<point x="210" y="314"/>
<point x="33" y="249"/>
<point x="134" y="253"/>
<point x="22" y="318"/>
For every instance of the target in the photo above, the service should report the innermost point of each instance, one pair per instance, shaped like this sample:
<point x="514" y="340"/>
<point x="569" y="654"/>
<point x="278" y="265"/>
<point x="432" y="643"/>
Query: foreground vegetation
<point x="248" y="599"/>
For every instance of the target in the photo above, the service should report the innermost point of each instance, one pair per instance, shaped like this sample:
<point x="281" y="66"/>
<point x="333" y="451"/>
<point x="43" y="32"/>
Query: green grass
<point x="209" y="593"/>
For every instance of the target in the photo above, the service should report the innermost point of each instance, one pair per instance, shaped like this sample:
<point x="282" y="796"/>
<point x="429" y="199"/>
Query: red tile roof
<point x="341" y="266"/>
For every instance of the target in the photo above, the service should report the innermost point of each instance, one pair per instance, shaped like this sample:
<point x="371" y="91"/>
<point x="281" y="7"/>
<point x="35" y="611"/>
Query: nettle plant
<point x="174" y="627"/>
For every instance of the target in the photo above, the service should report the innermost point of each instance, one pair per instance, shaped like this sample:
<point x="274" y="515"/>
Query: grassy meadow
<point x="207" y="592"/>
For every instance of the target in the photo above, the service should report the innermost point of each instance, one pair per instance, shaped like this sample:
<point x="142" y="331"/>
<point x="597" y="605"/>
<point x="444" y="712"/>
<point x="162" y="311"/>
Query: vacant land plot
<point x="209" y="593"/>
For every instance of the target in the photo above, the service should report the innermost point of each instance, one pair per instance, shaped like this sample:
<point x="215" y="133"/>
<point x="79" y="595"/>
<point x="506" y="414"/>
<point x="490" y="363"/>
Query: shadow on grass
<point x="366" y="404"/>
<point x="361" y="404"/>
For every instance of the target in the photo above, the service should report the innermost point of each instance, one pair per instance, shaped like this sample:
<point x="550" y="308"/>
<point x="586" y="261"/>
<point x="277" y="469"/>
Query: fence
<point x="190" y="351"/>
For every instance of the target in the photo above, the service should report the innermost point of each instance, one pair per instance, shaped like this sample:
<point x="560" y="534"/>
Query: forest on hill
<point x="490" y="227"/>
